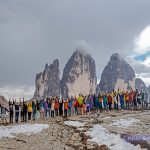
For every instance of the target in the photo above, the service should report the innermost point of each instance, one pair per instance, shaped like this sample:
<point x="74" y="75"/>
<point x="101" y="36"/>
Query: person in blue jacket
<point x="69" y="106"/>
<point x="121" y="96"/>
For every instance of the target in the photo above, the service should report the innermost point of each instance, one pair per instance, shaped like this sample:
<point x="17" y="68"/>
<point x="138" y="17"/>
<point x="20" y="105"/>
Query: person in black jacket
<point x="11" y="112"/>
<point x="135" y="99"/>
<point x="25" y="111"/>
<point x="61" y="107"/>
<point x="37" y="109"/>
<point x="17" y="109"/>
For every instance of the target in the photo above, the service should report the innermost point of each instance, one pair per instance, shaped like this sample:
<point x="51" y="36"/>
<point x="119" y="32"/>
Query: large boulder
<point x="79" y="75"/>
<point x="47" y="83"/>
<point x="117" y="74"/>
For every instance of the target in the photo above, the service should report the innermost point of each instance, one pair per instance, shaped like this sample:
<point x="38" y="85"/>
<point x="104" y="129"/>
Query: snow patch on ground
<point x="102" y="136"/>
<point x="12" y="131"/>
<point x="124" y="123"/>
<point x="74" y="123"/>
<point x="106" y="118"/>
<point x="81" y="129"/>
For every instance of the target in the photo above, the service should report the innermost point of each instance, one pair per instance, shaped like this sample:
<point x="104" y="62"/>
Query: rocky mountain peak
<point x="117" y="74"/>
<point x="48" y="82"/>
<point x="140" y="85"/>
<point x="79" y="75"/>
<point x="116" y="57"/>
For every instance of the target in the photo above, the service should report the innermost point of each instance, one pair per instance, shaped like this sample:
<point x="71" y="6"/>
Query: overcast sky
<point x="35" y="32"/>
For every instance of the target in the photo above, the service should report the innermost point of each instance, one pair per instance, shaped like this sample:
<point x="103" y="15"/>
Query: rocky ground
<point x="59" y="136"/>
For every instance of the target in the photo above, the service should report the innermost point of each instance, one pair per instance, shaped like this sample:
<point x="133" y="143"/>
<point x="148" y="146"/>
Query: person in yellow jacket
<point x="80" y="101"/>
<point x="29" y="110"/>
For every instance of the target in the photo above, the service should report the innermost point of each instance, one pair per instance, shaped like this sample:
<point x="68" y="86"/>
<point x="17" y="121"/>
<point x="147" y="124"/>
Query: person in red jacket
<point x="109" y="101"/>
<point x="131" y="96"/>
<point x="76" y="106"/>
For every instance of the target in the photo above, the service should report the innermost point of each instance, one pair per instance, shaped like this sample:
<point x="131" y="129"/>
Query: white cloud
<point x="82" y="45"/>
<point x="141" y="69"/>
<point x="17" y="92"/>
<point x="141" y="50"/>
<point x="142" y="43"/>
<point x="147" y="61"/>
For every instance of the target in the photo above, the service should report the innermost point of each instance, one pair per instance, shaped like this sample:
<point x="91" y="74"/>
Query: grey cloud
<point x="17" y="92"/>
<point x="35" y="32"/>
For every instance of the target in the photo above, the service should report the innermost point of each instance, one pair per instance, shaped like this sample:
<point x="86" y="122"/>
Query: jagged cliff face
<point x="79" y="75"/>
<point x="140" y="85"/>
<point x="48" y="82"/>
<point x="117" y="74"/>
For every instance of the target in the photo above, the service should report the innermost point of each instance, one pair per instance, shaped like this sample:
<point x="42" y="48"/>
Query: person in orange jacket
<point x="127" y="100"/>
<point x="131" y="96"/>
<point x="65" y="108"/>
<point x="56" y="106"/>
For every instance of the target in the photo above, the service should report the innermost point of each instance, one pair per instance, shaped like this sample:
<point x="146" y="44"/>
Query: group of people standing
<point x="54" y="106"/>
